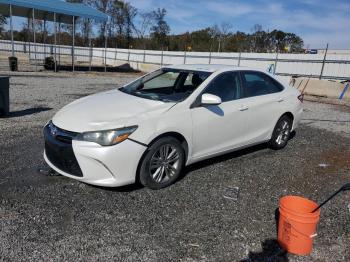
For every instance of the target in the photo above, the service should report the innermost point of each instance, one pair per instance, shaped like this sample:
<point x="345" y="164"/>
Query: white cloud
<point x="143" y="5"/>
<point x="231" y="10"/>
<point x="316" y="21"/>
<point x="235" y="8"/>
<point x="316" y="30"/>
<point x="308" y="20"/>
<point x="336" y="40"/>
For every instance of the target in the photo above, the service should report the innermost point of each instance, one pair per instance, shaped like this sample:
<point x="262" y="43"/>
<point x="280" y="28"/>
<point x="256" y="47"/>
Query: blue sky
<point x="317" y="21"/>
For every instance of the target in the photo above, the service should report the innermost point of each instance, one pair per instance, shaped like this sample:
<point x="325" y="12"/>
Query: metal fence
<point x="331" y="65"/>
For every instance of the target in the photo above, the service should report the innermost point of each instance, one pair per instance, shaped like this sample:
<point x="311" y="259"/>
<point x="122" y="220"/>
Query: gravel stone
<point x="54" y="218"/>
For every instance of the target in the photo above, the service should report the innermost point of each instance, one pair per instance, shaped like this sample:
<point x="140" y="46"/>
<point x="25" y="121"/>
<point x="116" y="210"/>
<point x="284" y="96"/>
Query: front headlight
<point x="108" y="137"/>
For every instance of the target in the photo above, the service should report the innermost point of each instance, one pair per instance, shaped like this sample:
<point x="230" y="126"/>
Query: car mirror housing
<point x="209" y="99"/>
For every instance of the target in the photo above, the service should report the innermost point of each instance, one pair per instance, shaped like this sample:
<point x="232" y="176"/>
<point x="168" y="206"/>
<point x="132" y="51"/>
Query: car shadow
<point x="222" y="158"/>
<point x="192" y="167"/>
<point x="121" y="189"/>
<point x="28" y="111"/>
<point x="225" y="157"/>
<point x="271" y="251"/>
<point x="325" y="120"/>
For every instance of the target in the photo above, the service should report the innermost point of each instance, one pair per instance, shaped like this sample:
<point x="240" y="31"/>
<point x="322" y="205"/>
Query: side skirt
<point x="201" y="158"/>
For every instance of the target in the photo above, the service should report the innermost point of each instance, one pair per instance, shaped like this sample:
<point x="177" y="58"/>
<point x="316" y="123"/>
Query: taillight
<point x="301" y="98"/>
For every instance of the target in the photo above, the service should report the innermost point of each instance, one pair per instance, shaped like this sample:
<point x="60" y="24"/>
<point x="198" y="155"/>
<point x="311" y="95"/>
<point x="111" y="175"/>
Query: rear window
<point x="258" y="83"/>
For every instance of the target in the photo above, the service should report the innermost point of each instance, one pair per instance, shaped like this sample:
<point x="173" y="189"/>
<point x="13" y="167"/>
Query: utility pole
<point x="219" y="47"/>
<point x="323" y="62"/>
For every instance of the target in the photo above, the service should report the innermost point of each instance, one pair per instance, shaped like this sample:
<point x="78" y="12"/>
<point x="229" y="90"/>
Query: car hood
<point x="107" y="110"/>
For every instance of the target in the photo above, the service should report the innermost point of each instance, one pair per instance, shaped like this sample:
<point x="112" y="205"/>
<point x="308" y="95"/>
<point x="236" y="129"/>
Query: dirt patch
<point x="329" y="101"/>
<point x="335" y="160"/>
<point x="342" y="108"/>
<point x="323" y="170"/>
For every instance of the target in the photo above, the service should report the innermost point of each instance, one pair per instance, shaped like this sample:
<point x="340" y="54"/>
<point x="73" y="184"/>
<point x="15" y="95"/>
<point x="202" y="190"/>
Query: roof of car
<point x="208" y="68"/>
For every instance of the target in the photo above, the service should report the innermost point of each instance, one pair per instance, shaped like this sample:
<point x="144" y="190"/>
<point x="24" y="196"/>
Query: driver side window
<point x="226" y="86"/>
<point x="167" y="79"/>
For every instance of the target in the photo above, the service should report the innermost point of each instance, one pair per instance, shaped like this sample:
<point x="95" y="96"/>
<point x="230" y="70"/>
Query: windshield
<point x="167" y="85"/>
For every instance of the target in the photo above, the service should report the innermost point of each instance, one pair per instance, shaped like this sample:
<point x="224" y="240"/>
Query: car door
<point x="217" y="128"/>
<point x="263" y="100"/>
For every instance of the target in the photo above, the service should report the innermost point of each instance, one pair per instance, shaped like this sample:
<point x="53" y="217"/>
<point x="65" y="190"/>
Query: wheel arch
<point x="176" y="135"/>
<point x="288" y="114"/>
<point x="173" y="134"/>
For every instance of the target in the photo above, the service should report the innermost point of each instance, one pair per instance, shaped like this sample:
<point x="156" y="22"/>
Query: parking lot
<point x="221" y="210"/>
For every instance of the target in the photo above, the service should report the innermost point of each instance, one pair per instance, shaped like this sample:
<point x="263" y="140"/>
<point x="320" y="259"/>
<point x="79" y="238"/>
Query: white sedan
<point x="148" y="130"/>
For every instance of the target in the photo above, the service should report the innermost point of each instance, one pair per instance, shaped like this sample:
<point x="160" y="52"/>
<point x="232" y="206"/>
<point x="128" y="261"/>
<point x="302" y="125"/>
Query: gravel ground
<point x="53" y="218"/>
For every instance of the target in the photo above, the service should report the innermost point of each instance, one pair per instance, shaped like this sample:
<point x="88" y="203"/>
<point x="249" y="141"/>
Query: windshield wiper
<point x="142" y="95"/>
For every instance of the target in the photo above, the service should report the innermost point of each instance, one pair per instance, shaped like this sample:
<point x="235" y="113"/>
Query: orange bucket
<point x="297" y="224"/>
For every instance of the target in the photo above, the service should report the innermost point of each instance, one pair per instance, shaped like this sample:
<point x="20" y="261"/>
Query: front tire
<point x="162" y="164"/>
<point x="281" y="133"/>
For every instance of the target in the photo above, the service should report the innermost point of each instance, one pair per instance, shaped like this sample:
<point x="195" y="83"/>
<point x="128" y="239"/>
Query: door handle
<point x="243" y="108"/>
<point x="281" y="99"/>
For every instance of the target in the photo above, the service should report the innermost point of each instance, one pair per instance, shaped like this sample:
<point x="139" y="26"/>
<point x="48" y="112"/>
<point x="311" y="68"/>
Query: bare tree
<point x="130" y="13"/>
<point x="161" y="28"/>
<point x="122" y="21"/>
<point x="214" y="33"/>
<point x="257" y="32"/>
<point x="105" y="7"/>
<point x="117" y="20"/>
<point x="257" y="28"/>
<point x="86" y="24"/>
<point x="2" y="23"/>
<point x="144" y="25"/>
<point x="225" y="30"/>
<point x="86" y="30"/>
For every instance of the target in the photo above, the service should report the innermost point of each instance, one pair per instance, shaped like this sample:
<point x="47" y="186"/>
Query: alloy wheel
<point x="164" y="163"/>
<point x="283" y="133"/>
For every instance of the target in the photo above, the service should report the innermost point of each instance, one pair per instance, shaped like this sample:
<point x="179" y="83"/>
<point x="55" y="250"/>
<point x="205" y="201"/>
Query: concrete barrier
<point x="322" y="88"/>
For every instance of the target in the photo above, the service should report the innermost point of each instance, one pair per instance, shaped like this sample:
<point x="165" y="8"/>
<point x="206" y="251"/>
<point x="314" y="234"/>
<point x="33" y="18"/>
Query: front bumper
<point x="91" y="163"/>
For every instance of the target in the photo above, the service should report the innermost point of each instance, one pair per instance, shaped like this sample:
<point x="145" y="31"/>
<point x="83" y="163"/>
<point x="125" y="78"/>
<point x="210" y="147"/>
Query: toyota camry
<point x="149" y="129"/>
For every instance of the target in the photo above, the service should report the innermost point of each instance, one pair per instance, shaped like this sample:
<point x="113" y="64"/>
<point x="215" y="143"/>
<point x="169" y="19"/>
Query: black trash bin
<point x="50" y="63"/>
<point x="4" y="96"/>
<point x="13" y="63"/>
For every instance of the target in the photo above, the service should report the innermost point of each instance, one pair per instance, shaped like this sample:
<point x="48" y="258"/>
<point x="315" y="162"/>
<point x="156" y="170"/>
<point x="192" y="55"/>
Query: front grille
<point x="59" y="150"/>
<point x="64" y="139"/>
<point x="61" y="134"/>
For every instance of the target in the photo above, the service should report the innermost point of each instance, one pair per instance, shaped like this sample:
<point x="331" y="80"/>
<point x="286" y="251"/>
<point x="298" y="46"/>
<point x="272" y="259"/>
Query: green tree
<point x="286" y="42"/>
<point x="278" y="39"/>
<point x="294" y="43"/>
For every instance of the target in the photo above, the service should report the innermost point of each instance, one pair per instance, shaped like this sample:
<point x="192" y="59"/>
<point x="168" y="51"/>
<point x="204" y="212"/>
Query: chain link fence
<point x="331" y="65"/>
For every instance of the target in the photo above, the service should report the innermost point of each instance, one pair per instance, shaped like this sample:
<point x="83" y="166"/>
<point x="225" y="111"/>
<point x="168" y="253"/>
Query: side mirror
<point x="209" y="99"/>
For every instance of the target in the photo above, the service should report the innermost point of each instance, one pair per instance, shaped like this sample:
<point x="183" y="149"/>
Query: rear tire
<point x="162" y="164"/>
<point x="281" y="133"/>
